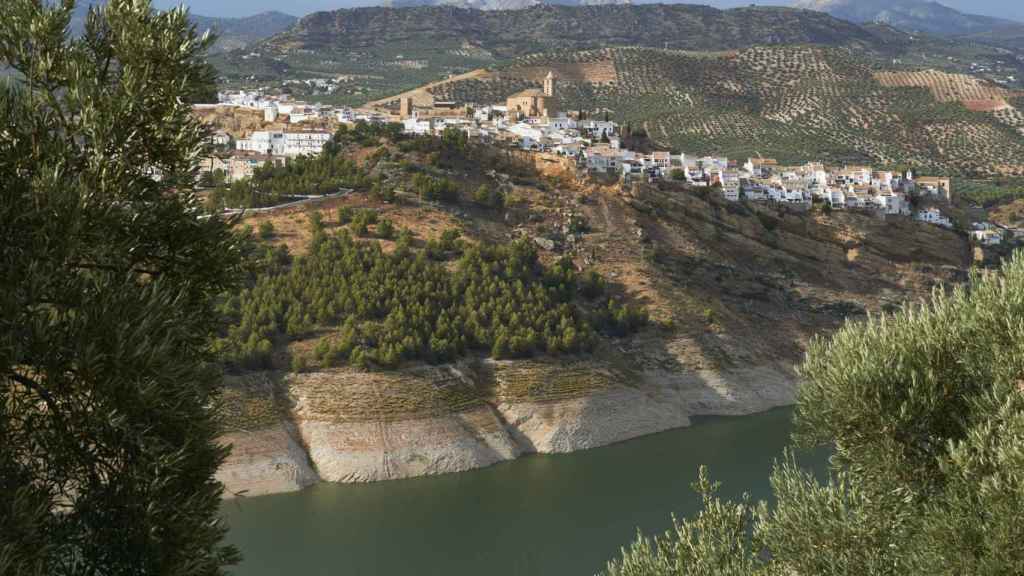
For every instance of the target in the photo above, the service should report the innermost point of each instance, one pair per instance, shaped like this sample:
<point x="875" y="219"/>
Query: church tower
<point x="550" y="84"/>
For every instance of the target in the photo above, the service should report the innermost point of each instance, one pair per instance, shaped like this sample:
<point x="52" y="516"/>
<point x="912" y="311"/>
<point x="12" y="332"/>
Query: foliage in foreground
<point x="107" y="284"/>
<point x="925" y="411"/>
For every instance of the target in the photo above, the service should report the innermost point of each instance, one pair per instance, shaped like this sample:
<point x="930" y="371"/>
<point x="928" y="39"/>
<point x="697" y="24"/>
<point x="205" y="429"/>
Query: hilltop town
<point x="531" y="120"/>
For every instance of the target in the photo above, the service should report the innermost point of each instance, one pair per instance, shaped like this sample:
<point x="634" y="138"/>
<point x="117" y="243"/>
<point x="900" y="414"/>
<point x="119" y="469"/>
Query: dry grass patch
<point x="946" y="87"/>
<point x="251" y="402"/>
<point x="350" y="395"/>
<point x="544" y="381"/>
<point x="292" y="229"/>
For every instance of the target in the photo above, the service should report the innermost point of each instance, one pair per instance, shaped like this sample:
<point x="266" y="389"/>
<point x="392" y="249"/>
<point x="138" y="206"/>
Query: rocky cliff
<point x="315" y="439"/>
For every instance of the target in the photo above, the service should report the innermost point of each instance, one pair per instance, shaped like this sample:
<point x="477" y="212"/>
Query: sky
<point x="1002" y="8"/>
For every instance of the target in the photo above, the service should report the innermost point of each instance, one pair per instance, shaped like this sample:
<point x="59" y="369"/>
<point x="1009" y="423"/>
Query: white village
<point x="532" y="121"/>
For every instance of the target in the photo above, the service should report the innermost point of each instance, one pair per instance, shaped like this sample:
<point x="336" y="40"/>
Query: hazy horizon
<point x="1012" y="9"/>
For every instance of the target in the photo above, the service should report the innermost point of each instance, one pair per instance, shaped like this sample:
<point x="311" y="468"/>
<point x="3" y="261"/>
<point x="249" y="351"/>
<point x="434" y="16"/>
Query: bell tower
<point x="550" y="84"/>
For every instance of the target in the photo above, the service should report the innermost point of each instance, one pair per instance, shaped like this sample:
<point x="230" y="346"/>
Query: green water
<point x="540" y="515"/>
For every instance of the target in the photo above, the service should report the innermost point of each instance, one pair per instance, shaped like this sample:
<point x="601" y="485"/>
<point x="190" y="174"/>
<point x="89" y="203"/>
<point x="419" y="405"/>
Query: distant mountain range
<point x="232" y="33"/>
<point x="924" y="16"/>
<point x="236" y="33"/>
<point x="499" y="4"/>
<point x="550" y="27"/>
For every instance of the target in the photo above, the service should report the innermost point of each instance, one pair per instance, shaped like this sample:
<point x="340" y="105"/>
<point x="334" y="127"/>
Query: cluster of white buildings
<point x="596" y="146"/>
<point x="988" y="234"/>
<point x="280" y="108"/>
<point x="493" y="123"/>
<point x="276" y="146"/>
<point x="284" y="143"/>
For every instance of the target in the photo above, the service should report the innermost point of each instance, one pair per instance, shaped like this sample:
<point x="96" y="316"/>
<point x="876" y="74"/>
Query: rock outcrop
<point x="388" y="450"/>
<point x="290" y="456"/>
<point x="266" y="461"/>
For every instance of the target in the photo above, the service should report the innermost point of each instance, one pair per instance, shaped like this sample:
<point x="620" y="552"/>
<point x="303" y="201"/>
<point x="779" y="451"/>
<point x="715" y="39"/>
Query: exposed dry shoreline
<point x="307" y="447"/>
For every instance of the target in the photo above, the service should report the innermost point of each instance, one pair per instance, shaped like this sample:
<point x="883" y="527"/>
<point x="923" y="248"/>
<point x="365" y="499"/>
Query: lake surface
<point x="562" y="515"/>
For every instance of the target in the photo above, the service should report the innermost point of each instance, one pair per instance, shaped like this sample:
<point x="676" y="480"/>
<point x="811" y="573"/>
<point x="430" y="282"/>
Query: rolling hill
<point x="788" y="83"/>
<point x="544" y="27"/>
<point x="232" y="33"/>
<point x="924" y="16"/>
<point x="793" y="103"/>
<point x="498" y="4"/>
<point x="235" y="33"/>
<point x="383" y="51"/>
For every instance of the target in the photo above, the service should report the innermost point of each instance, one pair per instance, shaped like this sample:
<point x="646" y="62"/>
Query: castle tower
<point x="550" y="84"/>
<point x="405" y="107"/>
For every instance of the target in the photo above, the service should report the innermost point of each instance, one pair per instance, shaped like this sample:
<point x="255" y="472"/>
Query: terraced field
<point x="251" y="402"/>
<point x="550" y="381"/>
<point x="946" y="87"/>
<point x="261" y="399"/>
<point x="793" y="103"/>
<point x="346" y="395"/>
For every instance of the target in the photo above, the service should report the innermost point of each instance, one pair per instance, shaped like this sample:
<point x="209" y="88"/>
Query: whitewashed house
<point x="220" y="139"/>
<point x="892" y="204"/>
<point x="796" y="196"/>
<point x="571" y="149"/>
<point x="633" y="169"/>
<point x="416" y="126"/>
<point x="731" y="190"/>
<point x="856" y="175"/>
<point x="935" y="187"/>
<point x="709" y="163"/>
<point x="605" y="159"/>
<point x="262" y="142"/>
<point x="661" y="160"/>
<point x="836" y="198"/>
<point x="855" y="200"/>
<point x="562" y="123"/>
<point x="305" y="143"/>
<point x="933" y="216"/>
<point x="598" y="129"/>
<point x="754" y="191"/>
<point x="989" y="237"/>
<point x="284" y="143"/>
<point x="270" y="112"/>
<point x="345" y="116"/>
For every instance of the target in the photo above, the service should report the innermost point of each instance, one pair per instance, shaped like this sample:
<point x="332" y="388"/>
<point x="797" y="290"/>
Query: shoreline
<point x="303" y="450"/>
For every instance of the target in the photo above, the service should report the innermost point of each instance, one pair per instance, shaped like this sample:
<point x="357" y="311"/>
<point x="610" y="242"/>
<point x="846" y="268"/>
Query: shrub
<point x="489" y="197"/>
<point x="592" y="285"/>
<point x="316" y="222"/>
<point x="266" y="230"/>
<point x="345" y="214"/>
<point x="924" y="410"/>
<point x="385" y="229"/>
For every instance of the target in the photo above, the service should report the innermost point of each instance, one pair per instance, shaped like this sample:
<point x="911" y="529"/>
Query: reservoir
<point x="541" y="515"/>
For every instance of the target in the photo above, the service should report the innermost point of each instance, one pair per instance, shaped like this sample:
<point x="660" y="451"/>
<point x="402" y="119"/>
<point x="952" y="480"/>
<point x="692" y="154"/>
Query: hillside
<point x="779" y="82"/>
<point x="236" y="33"/>
<point x="383" y="51"/>
<point x="733" y="292"/>
<point x="233" y="33"/>
<point x="497" y="4"/>
<point x="709" y="273"/>
<point x="924" y="16"/>
<point x="516" y="32"/>
<point x="793" y="103"/>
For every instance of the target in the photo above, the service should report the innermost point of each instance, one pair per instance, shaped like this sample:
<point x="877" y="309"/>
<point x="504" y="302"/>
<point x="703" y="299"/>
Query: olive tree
<point x="108" y="273"/>
<point x="924" y="410"/>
